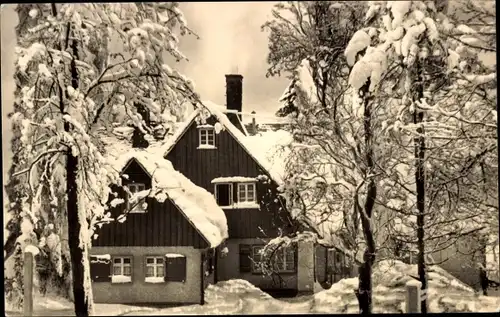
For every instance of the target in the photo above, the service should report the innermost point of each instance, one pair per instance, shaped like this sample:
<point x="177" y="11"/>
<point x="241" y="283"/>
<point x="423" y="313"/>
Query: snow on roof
<point x="256" y="152"/>
<point x="180" y="130"/>
<point x="197" y="204"/>
<point x="271" y="146"/>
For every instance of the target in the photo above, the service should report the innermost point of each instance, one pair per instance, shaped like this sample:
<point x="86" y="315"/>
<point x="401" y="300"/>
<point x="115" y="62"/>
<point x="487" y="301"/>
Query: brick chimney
<point x="234" y="95"/>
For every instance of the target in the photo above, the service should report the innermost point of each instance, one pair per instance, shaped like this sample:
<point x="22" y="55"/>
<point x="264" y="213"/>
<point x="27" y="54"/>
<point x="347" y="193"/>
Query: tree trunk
<point x="364" y="291"/>
<point x="82" y="307"/>
<point x="419" y="143"/>
<point x="74" y="227"/>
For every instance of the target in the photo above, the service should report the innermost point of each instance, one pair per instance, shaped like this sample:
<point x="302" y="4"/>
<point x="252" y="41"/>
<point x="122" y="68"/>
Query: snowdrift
<point x="446" y="293"/>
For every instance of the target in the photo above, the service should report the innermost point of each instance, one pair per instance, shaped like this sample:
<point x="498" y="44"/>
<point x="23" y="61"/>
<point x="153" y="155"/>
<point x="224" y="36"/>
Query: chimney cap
<point x="234" y="75"/>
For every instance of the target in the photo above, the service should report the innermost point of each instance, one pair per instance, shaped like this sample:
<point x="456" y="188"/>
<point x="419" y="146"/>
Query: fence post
<point x="28" y="284"/>
<point x="413" y="296"/>
<point x="29" y="253"/>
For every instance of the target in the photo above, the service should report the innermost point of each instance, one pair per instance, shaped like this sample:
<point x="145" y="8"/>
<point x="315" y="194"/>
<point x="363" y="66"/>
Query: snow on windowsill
<point x="242" y="206"/>
<point x="201" y="126"/>
<point x="154" y="280"/>
<point x="120" y="279"/>
<point x="138" y="211"/>
<point x="174" y="255"/>
<point x="206" y="147"/>
<point x="233" y="179"/>
<point x="101" y="258"/>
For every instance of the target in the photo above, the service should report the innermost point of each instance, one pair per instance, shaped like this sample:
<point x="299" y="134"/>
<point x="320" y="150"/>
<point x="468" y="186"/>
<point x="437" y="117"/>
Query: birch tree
<point x="65" y="98"/>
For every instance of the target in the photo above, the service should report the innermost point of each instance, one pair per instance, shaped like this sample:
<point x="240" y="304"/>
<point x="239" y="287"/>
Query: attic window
<point x="207" y="138"/>
<point x="246" y="193"/>
<point x="224" y="194"/>
<point x="138" y="206"/>
<point x="244" y="197"/>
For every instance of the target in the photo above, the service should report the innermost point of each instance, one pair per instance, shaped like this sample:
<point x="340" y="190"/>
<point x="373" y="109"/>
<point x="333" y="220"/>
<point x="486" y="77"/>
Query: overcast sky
<point x="231" y="40"/>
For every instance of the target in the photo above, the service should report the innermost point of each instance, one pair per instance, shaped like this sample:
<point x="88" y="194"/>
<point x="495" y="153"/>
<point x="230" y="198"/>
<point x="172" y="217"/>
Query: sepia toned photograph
<point x="242" y="158"/>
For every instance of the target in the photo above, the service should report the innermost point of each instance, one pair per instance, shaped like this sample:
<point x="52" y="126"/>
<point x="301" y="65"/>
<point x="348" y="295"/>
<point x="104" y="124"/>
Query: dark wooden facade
<point x="162" y="225"/>
<point x="201" y="166"/>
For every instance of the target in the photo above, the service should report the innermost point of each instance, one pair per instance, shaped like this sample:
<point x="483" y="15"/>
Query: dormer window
<point x="137" y="206"/>
<point x="246" y="193"/>
<point x="207" y="137"/>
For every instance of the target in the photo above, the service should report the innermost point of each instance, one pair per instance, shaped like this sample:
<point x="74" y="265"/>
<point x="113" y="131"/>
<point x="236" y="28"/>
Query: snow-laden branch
<point x="36" y="160"/>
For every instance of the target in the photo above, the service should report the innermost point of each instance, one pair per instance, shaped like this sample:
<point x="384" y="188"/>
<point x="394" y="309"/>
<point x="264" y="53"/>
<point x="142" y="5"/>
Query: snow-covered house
<point x="215" y="152"/>
<point x="160" y="247"/>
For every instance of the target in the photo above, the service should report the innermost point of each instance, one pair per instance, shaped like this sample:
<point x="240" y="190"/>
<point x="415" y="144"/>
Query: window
<point x="245" y="196"/>
<point x="137" y="206"/>
<point x="224" y="194"/>
<point x="283" y="260"/>
<point x="122" y="270"/>
<point x="246" y="193"/>
<point x="155" y="270"/>
<point x="175" y="268"/>
<point x="207" y="138"/>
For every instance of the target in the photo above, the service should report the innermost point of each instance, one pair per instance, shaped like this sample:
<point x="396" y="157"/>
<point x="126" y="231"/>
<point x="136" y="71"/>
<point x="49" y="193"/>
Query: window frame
<point x="121" y="265"/>
<point x="283" y="252"/>
<point x="203" y="139"/>
<point x="246" y="185"/>
<point x="231" y="193"/>
<point x="154" y="265"/>
<point x="138" y="207"/>
<point x="256" y="268"/>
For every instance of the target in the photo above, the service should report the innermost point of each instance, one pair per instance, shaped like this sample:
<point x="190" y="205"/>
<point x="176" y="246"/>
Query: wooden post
<point x="28" y="284"/>
<point x="202" y="279"/>
<point x="413" y="296"/>
<point x="216" y="256"/>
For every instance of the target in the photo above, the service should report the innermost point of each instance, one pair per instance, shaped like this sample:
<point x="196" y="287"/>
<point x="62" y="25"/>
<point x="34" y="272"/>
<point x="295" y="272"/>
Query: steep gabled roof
<point x="196" y="204"/>
<point x="274" y="171"/>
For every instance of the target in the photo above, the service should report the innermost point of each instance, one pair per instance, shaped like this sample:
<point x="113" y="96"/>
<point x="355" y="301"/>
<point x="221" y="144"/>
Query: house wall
<point x="460" y="260"/>
<point x="305" y="267"/>
<point x="141" y="292"/>
<point x="162" y="225"/>
<point x="208" y="277"/>
<point x="201" y="166"/>
<point x="320" y="263"/>
<point x="325" y="272"/>
<point x="228" y="267"/>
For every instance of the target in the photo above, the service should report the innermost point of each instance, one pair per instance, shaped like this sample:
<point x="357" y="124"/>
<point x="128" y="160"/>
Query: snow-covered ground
<point x="446" y="294"/>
